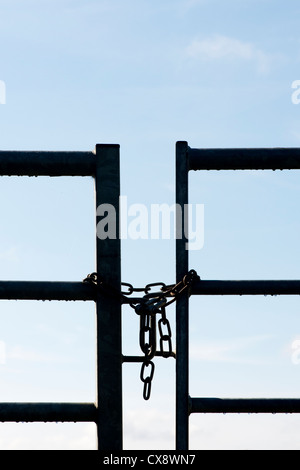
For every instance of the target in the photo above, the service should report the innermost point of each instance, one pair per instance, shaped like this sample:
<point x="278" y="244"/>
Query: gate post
<point x="108" y="307"/>
<point x="182" y="304"/>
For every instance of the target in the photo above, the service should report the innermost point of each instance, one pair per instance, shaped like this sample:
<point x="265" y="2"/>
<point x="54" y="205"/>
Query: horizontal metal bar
<point x="244" y="405"/>
<point x="55" y="290"/>
<point x="244" y="159"/>
<point x="30" y="412"/>
<point x="142" y="358"/>
<point x="43" y="290"/>
<point x="133" y="358"/>
<point x="260" y="287"/>
<point x="47" y="163"/>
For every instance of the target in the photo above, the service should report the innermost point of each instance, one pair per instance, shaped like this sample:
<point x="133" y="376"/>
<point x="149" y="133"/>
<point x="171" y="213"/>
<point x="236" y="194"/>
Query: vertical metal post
<point x="182" y="304"/>
<point x="108" y="307"/>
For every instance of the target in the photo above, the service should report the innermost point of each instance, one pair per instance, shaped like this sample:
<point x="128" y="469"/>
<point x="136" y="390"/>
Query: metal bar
<point x="244" y="159"/>
<point x="44" y="163"/>
<point x="133" y="358"/>
<point x="142" y="358"/>
<point x="260" y="287"/>
<point x="40" y="290"/>
<point x="245" y="405"/>
<point x="225" y="159"/>
<point x="29" y="412"/>
<point x="108" y="308"/>
<point x="182" y="304"/>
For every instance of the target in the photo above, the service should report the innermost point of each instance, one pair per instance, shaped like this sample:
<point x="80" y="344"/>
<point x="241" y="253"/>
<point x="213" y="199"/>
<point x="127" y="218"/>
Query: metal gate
<point x="103" y="164"/>
<point x="221" y="159"/>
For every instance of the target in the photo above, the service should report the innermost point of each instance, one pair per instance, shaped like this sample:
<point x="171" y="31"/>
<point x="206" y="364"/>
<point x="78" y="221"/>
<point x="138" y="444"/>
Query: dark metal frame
<point x="221" y="159"/>
<point x="103" y="164"/>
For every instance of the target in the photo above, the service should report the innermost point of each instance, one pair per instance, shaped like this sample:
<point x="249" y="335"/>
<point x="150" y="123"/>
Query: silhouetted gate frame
<point x="103" y="164"/>
<point x="188" y="159"/>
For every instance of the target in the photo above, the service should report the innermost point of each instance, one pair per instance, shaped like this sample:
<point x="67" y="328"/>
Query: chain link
<point x="165" y="338"/>
<point x="148" y="335"/>
<point x="147" y="381"/>
<point x="148" y="307"/>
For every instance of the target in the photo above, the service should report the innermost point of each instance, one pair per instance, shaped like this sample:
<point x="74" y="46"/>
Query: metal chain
<point x="148" y="342"/>
<point x="147" y="345"/>
<point x="148" y="307"/>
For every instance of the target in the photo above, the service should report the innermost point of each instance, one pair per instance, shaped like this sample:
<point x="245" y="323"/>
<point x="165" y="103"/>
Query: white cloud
<point x="220" y="47"/>
<point x="10" y="255"/>
<point x="192" y="3"/>
<point x="153" y="428"/>
<point x="20" y="353"/>
<point x="50" y="436"/>
<point x="226" y="351"/>
<point x="244" y="432"/>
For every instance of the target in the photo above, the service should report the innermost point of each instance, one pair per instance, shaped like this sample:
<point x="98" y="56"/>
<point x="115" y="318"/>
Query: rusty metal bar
<point x="244" y="159"/>
<point x="244" y="405"/>
<point x="108" y="308"/>
<point x="182" y="304"/>
<point x="44" y="290"/>
<point x="259" y="287"/>
<point x="44" y="163"/>
<point x="31" y="412"/>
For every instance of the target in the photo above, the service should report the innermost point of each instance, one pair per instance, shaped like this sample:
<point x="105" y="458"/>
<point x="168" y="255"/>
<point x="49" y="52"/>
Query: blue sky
<point x="145" y="74"/>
